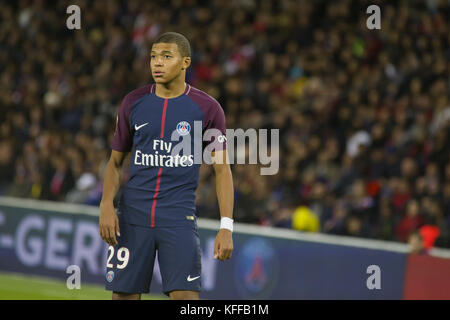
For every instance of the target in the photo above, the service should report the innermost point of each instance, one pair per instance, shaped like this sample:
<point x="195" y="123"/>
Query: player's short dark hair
<point x="173" y="37"/>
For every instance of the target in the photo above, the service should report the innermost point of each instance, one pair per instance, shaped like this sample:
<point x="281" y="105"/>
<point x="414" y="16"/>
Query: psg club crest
<point x="183" y="128"/>
<point x="257" y="269"/>
<point x="110" y="276"/>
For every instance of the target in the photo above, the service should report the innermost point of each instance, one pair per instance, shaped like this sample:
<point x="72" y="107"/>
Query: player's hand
<point x="108" y="223"/>
<point x="223" y="246"/>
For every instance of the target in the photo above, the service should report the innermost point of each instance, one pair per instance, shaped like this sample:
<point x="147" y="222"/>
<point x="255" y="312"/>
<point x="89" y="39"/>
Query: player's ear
<point x="186" y="62"/>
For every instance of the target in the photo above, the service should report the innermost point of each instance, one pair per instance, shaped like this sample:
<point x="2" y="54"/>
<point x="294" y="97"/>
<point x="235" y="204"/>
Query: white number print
<point x="123" y="255"/>
<point x="111" y="253"/>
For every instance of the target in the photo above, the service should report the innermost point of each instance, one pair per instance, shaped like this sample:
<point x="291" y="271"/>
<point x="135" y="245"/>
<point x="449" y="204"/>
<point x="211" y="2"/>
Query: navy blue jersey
<point x="162" y="185"/>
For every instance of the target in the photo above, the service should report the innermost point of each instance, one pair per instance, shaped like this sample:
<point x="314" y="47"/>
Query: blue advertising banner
<point x="39" y="241"/>
<point x="271" y="268"/>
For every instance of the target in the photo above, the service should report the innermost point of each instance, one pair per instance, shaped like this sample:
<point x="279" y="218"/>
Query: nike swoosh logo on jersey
<point x="136" y="127"/>
<point x="192" y="279"/>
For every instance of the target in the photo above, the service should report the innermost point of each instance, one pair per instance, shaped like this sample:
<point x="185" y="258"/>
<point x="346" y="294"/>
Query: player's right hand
<point x="108" y="223"/>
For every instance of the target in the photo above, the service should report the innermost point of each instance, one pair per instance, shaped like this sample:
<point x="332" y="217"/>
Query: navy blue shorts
<point x="130" y="263"/>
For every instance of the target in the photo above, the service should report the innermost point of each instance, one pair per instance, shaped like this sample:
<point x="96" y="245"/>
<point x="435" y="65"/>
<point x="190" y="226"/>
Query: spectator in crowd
<point x="416" y="244"/>
<point x="336" y="223"/>
<point x="384" y="228"/>
<point x="412" y="221"/>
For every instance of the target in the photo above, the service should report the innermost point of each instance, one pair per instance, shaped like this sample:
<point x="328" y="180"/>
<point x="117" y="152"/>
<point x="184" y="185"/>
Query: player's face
<point x="166" y="62"/>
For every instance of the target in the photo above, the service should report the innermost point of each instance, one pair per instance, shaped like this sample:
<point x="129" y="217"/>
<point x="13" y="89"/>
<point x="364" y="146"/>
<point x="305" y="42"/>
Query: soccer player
<point x="156" y="211"/>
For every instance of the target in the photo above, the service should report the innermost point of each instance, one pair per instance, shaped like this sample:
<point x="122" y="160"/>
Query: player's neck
<point x="170" y="90"/>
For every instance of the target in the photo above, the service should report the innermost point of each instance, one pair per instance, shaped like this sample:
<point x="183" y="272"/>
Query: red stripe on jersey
<point x="163" y="120"/>
<point x="158" y="182"/>
<point x="158" y="178"/>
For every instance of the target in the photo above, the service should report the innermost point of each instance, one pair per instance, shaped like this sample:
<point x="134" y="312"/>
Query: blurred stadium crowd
<point x="363" y="114"/>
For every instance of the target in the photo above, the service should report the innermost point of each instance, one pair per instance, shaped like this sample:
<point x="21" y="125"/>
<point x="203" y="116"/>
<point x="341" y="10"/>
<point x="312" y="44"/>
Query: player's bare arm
<point x="223" y="246"/>
<point x="108" y="221"/>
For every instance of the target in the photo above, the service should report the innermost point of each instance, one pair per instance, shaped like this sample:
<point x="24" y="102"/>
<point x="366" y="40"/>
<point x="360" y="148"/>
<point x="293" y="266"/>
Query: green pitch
<point x="14" y="286"/>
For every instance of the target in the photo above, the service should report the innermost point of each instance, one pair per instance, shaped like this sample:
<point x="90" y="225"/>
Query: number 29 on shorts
<point x="123" y="256"/>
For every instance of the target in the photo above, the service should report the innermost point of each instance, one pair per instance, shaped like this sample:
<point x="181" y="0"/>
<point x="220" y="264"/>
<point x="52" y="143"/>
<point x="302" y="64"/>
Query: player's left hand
<point x="223" y="246"/>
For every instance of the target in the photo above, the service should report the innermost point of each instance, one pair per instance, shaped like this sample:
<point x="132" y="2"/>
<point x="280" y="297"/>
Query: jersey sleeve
<point x="216" y="122"/>
<point x="122" y="140"/>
